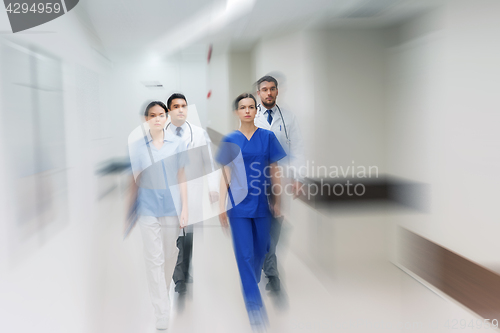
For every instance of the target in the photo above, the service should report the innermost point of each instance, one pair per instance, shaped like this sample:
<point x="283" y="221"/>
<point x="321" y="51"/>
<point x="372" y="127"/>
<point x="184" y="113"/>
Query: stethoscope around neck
<point x="190" y="130"/>
<point x="282" y="119"/>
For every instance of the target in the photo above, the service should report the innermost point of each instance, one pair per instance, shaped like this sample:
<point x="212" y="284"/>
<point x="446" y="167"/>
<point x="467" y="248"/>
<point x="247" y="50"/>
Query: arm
<point x="132" y="195"/>
<point x="181" y="176"/>
<point x="225" y="180"/>
<point x="276" y="181"/>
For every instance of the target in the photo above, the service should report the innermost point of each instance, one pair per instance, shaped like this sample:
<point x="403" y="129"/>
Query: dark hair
<point x="175" y="96"/>
<point x="243" y="96"/>
<point x="154" y="103"/>
<point x="267" y="78"/>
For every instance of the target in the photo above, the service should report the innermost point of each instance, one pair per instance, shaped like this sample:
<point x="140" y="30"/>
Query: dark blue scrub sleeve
<point x="276" y="152"/>
<point x="228" y="151"/>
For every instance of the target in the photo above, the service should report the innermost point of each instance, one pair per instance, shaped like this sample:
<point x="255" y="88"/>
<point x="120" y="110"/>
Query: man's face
<point x="178" y="111"/>
<point x="156" y="117"/>
<point x="267" y="94"/>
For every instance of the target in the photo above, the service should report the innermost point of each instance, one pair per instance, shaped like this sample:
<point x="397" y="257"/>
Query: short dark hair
<point x="267" y="78"/>
<point x="154" y="103"/>
<point x="175" y="96"/>
<point x="243" y="96"/>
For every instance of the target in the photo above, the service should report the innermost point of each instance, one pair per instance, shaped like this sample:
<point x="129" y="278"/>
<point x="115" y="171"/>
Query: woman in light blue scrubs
<point x="159" y="193"/>
<point x="249" y="156"/>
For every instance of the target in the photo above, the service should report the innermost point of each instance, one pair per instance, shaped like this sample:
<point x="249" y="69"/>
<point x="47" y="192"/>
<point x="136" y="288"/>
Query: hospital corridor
<point x="239" y="166"/>
<point x="355" y="296"/>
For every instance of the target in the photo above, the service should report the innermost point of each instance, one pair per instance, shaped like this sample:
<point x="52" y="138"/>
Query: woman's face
<point x="156" y="117"/>
<point x="246" y="110"/>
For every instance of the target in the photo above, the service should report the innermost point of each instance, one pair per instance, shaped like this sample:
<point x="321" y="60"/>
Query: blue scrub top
<point x="158" y="194"/>
<point x="249" y="161"/>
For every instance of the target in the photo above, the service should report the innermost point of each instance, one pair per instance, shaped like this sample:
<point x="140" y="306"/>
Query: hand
<point x="213" y="196"/>
<point x="275" y="210"/>
<point x="131" y="217"/>
<point x="223" y="220"/>
<point x="296" y="188"/>
<point x="224" y="223"/>
<point x="183" y="219"/>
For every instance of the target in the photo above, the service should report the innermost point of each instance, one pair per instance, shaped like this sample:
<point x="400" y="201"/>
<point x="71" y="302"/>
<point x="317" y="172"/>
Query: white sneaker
<point x="162" y="323"/>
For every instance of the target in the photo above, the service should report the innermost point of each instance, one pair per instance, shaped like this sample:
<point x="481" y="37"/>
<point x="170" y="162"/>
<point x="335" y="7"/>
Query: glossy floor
<point x="357" y="297"/>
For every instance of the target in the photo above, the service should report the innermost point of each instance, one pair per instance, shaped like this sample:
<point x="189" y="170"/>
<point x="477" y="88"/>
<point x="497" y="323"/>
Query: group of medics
<point x="169" y="161"/>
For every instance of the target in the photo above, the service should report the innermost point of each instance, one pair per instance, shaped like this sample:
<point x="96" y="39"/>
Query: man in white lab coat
<point x="285" y="126"/>
<point x="200" y="163"/>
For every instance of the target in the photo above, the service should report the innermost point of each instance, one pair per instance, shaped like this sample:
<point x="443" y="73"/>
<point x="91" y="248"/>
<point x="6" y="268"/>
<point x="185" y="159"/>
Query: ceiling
<point x="130" y="29"/>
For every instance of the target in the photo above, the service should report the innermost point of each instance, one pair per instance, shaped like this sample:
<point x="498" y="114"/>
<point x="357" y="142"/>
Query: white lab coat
<point x="198" y="160"/>
<point x="294" y="146"/>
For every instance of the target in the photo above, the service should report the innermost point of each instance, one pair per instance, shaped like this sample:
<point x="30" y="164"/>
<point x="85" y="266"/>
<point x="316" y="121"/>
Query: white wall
<point x="350" y="87"/>
<point x="419" y="102"/>
<point x="219" y="104"/>
<point x="240" y="79"/>
<point x="44" y="277"/>
<point x="349" y="92"/>
<point x="443" y="123"/>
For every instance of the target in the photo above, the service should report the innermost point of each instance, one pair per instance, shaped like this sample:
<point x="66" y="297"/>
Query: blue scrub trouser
<point x="251" y="238"/>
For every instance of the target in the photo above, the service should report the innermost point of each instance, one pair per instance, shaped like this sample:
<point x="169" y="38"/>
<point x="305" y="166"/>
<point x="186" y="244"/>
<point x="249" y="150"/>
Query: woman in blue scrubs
<point x="249" y="157"/>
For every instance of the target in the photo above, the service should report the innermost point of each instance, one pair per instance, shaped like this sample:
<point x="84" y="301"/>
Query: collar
<point x="150" y="138"/>
<point x="183" y="126"/>
<point x="274" y="109"/>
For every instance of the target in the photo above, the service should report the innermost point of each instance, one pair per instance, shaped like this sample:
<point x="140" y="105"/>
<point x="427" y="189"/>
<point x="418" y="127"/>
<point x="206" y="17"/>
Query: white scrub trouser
<point x="159" y="236"/>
